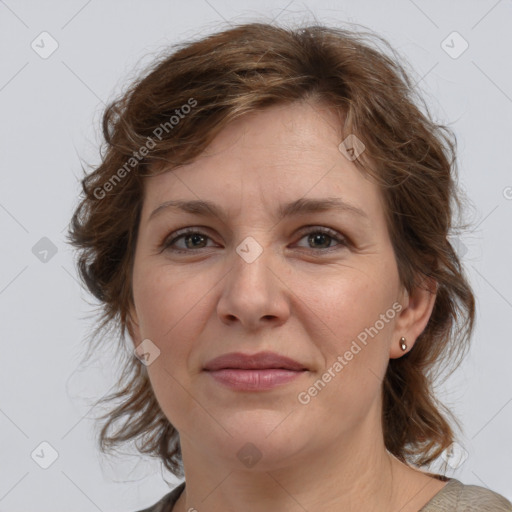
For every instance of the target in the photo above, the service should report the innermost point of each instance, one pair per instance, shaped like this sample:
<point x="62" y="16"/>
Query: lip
<point x="256" y="372"/>
<point x="260" y="361"/>
<point x="254" y="380"/>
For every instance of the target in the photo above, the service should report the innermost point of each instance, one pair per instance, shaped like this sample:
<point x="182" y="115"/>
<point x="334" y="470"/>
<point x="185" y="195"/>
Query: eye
<point x="189" y="239"/>
<point x="322" y="238"/>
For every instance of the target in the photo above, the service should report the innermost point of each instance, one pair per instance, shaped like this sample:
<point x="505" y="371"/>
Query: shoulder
<point x="457" y="497"/>
<point x="474" y="497"/>
<point x="166" y="503"/>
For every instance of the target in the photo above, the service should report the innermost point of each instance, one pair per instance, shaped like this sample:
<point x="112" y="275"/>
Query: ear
<point x="413" y="318"/>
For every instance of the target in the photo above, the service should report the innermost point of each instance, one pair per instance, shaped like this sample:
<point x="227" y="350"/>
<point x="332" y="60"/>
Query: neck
<point x="355" y="473"/>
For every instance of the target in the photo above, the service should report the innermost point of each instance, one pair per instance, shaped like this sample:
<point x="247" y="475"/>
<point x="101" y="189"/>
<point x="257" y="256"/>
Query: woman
<point x="269" y="224"/>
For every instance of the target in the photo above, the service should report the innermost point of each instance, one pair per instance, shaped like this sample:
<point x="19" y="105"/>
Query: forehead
<point x="275" y="155"/>
<point x="279" y="133"/>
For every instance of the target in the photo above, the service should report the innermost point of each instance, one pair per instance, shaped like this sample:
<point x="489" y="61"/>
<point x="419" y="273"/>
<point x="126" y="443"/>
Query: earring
<point x="403" y="345"/>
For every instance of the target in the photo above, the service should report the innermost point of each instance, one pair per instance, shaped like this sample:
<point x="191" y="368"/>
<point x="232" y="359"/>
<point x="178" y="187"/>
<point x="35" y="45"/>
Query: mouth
<point x="257" y="372"/>
<point x="254" y="380"/>
<point x="259" y="361"/>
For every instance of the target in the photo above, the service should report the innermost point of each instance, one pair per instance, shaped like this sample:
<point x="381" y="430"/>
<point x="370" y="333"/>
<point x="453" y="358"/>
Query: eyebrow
<point x="301" y="206"/>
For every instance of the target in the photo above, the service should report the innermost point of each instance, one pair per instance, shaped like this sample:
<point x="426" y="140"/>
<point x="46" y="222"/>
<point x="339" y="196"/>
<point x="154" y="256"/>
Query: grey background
<point x="50" y="112"/>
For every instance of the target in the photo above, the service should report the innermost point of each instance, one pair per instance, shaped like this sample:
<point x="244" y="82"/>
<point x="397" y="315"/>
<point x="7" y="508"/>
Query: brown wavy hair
<point x="248" y="68"/>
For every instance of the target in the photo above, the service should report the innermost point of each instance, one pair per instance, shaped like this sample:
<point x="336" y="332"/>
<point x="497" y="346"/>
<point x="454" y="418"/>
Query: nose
<point x="254" y="293"/>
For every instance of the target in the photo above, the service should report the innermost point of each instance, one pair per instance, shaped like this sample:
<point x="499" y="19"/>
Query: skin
<point x="298" y="299"/>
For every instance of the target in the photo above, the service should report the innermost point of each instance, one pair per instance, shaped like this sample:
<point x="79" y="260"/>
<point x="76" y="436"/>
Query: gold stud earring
<point x="403" y="345"/>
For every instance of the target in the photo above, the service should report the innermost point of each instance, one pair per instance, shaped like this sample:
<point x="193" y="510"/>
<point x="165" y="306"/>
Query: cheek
<point x="168" y="307"/>
<point x="349" y="302"/>
<point x="166" y="300"/>
<point x="355" y="347"/>
<point x="351" y="316"/>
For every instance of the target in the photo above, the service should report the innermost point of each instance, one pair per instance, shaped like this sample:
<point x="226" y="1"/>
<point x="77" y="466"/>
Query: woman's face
<point x="319" y="287"/>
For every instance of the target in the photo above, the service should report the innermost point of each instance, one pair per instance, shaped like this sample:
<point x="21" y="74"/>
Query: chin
<point x="259" y="439"/>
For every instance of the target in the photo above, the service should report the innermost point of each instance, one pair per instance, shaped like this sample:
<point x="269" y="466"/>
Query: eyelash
<point x="177" y="235"/>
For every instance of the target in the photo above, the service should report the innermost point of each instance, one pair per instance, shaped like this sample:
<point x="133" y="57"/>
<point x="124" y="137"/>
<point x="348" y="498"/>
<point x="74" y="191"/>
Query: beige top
<point x="457" y="497"/>
<point x="453" y="497"/>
